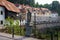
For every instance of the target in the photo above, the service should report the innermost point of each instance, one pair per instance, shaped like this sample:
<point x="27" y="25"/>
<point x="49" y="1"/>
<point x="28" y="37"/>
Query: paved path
<point x="4" y="36"/>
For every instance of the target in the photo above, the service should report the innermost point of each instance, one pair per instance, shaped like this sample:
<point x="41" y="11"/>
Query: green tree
<point x="37" y="5"/>
<point x="14" y="25"/>
<point x="49" y="6"/>
<point x="40" y="5"/>
<point x="26" y="2"/>
<point x="55" y="5"/>
<point x="32" y="3"/>
<point x="46" y="5"/>
<point x="9" y="23"/>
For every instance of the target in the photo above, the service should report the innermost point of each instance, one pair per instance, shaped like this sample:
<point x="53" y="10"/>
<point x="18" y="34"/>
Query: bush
<point x="10" y="25"/>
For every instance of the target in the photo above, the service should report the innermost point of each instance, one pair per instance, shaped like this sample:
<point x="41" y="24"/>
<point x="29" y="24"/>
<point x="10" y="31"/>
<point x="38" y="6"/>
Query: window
<point x="1" y="22"/>
<point x="1" y="12"/>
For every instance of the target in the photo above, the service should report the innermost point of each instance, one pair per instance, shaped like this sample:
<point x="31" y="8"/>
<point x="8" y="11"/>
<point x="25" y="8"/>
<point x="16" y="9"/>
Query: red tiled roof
<point x="9" y="6"/>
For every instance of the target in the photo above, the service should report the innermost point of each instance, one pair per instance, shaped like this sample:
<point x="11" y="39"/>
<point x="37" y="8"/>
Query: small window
<point x="1" y="12"/>
<point x="1" y="22"/>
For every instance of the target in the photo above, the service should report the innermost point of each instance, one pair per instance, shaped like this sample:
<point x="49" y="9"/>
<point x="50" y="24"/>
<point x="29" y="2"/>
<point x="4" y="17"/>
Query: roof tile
<point x="10" y="6"/>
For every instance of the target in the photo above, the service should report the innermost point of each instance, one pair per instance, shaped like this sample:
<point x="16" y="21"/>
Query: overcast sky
<point x="45" y="1"/>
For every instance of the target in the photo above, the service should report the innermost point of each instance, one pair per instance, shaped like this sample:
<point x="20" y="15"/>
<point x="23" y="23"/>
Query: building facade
<point x="2" y="15"/>
<point x="7" y="8"/>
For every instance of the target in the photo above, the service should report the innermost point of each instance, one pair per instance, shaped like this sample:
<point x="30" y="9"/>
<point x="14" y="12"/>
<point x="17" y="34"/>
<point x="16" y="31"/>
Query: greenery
<point x="46" y="33"/>
<point x="26" y="2"/>
<point x="10" y="25"/>
<point x="54" y="6"/>
<point x="41" y="34"/>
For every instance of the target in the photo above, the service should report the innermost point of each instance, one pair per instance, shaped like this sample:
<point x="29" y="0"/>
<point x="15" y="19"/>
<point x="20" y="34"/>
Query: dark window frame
<point x="1" y="22"/>
<point x="1" y="12"/>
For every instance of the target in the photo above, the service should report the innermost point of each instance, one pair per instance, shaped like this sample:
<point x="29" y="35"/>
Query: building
<point x="42" y="14"/>
<point x="6" y="8"/>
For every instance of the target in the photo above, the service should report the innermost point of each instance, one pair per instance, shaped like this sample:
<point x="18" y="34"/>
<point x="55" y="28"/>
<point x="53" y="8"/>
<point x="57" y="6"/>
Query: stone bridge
<point x="40" y="25"/>
<point x="45" y="22"/>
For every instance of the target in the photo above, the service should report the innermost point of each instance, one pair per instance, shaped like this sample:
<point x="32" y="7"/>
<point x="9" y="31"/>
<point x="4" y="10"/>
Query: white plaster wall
<point x="2" y="17"/>
<point x="51" y="17"/>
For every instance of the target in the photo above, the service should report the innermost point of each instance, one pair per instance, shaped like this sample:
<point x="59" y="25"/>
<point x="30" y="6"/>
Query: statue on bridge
<point x="28" y="27"/>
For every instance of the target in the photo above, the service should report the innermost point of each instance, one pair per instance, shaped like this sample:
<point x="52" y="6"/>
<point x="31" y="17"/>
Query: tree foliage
<point x="29" y="2"/>
<point x="13" y="25"/>
<point x="37" y="4"/>
<point x="54" y="6"/>
<point x="9" y="22"/>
